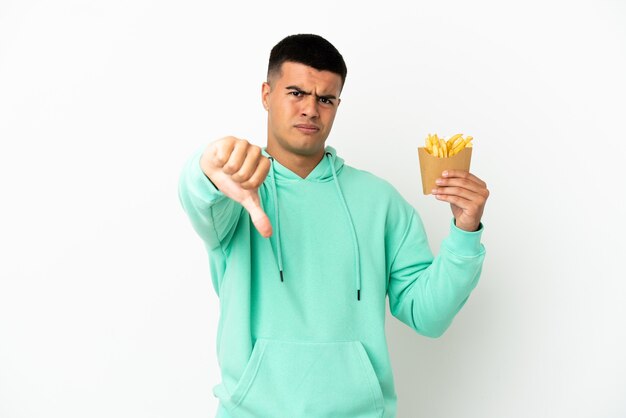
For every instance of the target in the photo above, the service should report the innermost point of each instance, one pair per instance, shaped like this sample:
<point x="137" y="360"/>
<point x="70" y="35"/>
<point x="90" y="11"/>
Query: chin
<point x="311" y="148"/>
<point x="306" y="146"/>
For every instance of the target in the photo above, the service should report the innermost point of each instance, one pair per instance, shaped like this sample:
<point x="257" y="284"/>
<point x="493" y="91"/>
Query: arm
<point x="426" y="293"/>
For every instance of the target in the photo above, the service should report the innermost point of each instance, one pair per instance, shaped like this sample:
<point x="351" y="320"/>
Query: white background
<point x="106" y="306"/>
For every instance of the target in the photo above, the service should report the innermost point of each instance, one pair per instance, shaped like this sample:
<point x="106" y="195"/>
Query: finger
<point x="222" y="151"/>
<point x="237" y="156"/>
<point x="457" y="191"/>
<point x="260" y="220"/>
<point x="462" y="174"/>
<point x="472" y="207"/>
<point x="464" y="183"/>
<point x="461" y="202"/>
<point x="257" y="178"/>
<point x="249" y="165"/>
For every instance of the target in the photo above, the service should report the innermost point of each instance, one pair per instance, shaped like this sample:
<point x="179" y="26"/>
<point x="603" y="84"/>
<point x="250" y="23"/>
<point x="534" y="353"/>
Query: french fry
<point x="444" y="148"/>
<point x="458" y="148"/>
<point x="441" y="148"/>
<point x="457" y="142"/>
<point x="452" y="140"/>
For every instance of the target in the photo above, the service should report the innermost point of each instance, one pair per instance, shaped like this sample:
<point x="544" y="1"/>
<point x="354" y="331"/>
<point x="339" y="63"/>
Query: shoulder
<point x="376" y="190"/>
<point x="357" y="177"/>
<point x="380" y="201"/>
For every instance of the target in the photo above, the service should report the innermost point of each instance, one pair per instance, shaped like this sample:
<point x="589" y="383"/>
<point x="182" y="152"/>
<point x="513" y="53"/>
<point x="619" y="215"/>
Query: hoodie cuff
<point x="464" y="243"/>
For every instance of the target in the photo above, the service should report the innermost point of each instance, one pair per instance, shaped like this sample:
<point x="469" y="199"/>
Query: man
<point x="304" y="250"/>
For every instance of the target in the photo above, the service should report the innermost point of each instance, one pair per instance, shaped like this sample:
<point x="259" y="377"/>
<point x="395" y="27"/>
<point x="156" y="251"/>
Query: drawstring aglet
<point x="281" y="276"/>
<point x="358" y="294"/>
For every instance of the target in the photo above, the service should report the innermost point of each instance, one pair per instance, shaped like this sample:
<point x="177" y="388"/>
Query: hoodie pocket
<point x="289" y="379"/>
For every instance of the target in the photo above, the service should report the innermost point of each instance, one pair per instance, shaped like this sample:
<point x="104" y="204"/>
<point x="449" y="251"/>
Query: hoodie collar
<point x="321" y="173"/>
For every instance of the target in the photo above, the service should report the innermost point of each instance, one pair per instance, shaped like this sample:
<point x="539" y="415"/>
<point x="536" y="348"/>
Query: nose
<point x="310" y="107"/>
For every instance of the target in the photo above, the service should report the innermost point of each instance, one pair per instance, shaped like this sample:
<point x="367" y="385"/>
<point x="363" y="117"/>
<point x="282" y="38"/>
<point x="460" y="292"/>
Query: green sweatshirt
<point x="302" y="314"/>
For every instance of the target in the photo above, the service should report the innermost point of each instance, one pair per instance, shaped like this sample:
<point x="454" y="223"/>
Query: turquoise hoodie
<point x="302" y="314"/>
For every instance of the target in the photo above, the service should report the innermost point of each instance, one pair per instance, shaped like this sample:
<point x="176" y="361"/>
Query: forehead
<point x="305" y="77"/>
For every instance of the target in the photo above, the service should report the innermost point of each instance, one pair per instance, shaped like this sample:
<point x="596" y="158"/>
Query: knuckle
<point x="242" y="142"/>
<point x="230" y="168"/>
<point x="226" y="141"/>
<point x="242" y="175"/>
<point x="220" y="158"/>
<point x="251" y="183"/>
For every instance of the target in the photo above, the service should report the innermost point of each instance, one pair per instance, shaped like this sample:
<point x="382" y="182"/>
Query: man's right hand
<point x="238" y="169"/>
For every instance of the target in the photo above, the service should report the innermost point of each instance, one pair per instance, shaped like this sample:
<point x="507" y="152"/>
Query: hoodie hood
<point x="328" y="169"/>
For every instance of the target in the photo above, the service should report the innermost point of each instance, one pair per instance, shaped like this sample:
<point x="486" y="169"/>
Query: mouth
<point x="307" y="128"/>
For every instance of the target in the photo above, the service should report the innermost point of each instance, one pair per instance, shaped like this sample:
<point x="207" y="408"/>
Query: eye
<point x="326" y="100"/>
<point x="295" y="93"/>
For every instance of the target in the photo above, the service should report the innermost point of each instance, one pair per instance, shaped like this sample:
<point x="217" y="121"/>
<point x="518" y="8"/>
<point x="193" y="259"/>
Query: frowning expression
<point x="301" y="103"/>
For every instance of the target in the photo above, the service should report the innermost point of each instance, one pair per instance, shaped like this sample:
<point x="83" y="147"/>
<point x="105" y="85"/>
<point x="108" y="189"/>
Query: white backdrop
<point x="106" y="306"/>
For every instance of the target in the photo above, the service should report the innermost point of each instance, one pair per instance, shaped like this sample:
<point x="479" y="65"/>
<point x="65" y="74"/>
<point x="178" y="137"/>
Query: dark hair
<point x="307" y="49"/>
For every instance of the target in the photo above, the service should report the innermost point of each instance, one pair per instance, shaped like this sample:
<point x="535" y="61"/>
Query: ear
<point x="338" y="101"/>
<point x="265" y="92"/>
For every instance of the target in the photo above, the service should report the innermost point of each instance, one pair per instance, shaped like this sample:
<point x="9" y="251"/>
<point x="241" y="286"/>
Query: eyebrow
<point x="298" y="89"/>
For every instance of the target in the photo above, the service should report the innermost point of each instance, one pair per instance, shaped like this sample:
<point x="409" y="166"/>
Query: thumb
<point x="260" y="220"/>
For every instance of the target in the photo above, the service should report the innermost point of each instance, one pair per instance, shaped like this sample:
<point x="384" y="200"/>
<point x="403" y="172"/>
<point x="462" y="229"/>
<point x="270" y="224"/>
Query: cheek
<point x="330" y="117"/>
<point x="280" y="116"/>
<point x="282" y="109"/>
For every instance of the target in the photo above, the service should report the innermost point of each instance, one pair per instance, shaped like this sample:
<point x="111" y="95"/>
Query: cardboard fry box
<point x="431" y="167"/>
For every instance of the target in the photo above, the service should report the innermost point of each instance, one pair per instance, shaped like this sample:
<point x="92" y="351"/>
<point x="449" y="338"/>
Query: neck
<point x="302" y="165"/>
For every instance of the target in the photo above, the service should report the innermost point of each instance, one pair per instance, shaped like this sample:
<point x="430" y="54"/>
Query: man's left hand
<point x="467" y="195"/>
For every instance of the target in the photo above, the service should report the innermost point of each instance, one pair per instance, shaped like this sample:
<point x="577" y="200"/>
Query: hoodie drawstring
<point x="355" y="242"/>
<point x="280" y="256"/>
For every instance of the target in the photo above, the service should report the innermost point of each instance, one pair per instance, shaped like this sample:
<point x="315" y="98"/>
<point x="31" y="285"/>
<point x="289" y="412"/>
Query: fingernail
<point x="439" y="181"/>
<point x="445" y="173"/>
<point x="434" y="191"/>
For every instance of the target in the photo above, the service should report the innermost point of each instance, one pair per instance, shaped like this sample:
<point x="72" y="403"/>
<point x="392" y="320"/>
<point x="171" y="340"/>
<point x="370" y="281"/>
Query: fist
<point x="238" y="169"/>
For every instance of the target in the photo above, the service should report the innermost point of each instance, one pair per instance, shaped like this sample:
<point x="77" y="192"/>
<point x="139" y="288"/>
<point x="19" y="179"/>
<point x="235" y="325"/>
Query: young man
<point x="304" y="250"/>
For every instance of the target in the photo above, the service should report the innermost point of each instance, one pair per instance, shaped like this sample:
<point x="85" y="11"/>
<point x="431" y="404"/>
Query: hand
<point x="238" y="169"/>
<point x="467" y="195"/>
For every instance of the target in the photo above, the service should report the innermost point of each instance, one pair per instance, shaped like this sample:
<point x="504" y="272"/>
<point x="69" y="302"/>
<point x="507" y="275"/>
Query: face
<point x="301" y="103"/>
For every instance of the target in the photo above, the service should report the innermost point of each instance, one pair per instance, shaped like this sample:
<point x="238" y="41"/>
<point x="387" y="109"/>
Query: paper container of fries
<point x="431" y="167"/>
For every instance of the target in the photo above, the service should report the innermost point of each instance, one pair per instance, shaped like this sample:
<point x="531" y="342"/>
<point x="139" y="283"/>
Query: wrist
<point x="467" y="227"/>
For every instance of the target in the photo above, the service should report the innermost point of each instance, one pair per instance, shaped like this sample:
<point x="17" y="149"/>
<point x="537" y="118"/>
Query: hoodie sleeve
<point x="425" y="292"/>
<point x="213" y="215"/>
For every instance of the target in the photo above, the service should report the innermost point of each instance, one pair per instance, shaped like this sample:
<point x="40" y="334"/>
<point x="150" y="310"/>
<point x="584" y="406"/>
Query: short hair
<point x="307" y="49"/>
